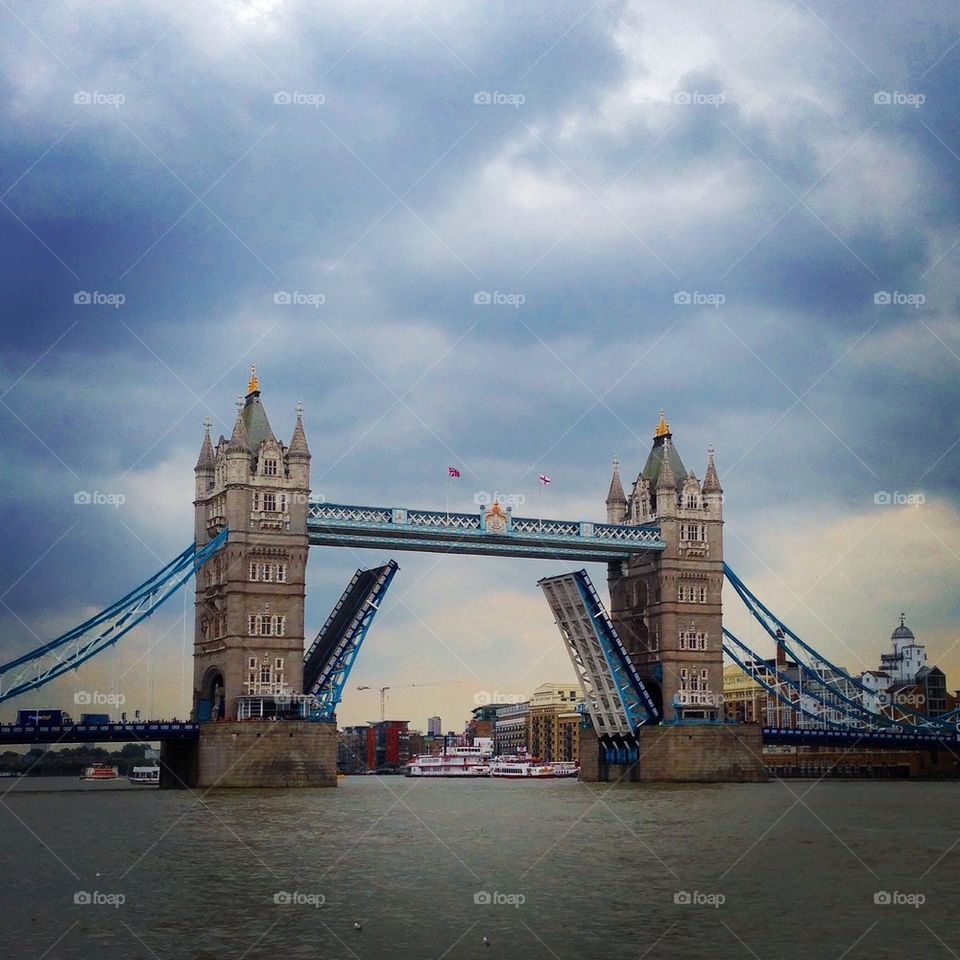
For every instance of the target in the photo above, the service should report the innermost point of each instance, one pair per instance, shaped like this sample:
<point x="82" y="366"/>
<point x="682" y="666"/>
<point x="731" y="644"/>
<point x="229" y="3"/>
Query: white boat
<point x="145" y="775"/>
<point x="471" y="761"/>
<point x="100" y="771"/>
<point x="521" y="768"/>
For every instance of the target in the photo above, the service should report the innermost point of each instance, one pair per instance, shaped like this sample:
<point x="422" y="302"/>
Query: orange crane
<point x="403" y="686"/>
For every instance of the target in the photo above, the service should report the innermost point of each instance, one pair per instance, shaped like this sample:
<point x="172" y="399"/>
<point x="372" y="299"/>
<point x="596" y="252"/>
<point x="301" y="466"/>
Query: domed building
<point x="908" y="657"/>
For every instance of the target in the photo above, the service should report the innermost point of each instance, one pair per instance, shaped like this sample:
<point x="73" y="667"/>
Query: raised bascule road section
<point x="650" y="665"/>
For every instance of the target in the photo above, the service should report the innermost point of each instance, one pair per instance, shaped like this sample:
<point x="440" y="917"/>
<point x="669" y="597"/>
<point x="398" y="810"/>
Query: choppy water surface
<point x="569" y="870"/>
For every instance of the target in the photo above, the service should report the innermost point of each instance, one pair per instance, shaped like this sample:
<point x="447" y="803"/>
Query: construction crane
<point x="403" y="686"/>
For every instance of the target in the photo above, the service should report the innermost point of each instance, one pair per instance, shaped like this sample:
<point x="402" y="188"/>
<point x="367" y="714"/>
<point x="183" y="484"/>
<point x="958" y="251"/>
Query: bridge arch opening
<point x="211" y="704"/>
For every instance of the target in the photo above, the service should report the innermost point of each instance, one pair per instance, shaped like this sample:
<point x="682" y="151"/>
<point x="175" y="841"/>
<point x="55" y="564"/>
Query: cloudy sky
<point x="745" y="213"/>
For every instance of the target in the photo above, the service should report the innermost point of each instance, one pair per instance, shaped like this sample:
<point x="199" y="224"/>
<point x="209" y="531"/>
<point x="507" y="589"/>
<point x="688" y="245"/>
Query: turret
<point x="237" y="451"/>
<point x="712" y="491"/>
<point x="205" y="462"/>
<point x="616" y="500"/>
<point x="666" y="484"/>
<point x="298" y="453"/>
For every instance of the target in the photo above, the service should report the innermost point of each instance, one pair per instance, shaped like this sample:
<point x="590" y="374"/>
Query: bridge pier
<point x="681" y="753"/>
<point x="253" y="753"/>
<point x="178" y="764"/>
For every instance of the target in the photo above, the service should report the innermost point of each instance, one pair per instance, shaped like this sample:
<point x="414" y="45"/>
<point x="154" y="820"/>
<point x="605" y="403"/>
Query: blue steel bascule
<point x="648" y="671"/>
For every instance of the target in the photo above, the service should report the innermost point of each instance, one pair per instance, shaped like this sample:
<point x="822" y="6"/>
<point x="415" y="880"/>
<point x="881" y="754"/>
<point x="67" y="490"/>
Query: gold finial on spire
<point x="663" y="428"/>
<point x="254" y="383"/>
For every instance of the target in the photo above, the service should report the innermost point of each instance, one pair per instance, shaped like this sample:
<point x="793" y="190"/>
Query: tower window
<point x="265" y="625"/>
<point x="270" y="502"/>
<point x="254" y="570"/>
<point x="693" y="640"/>
<point x="270" y="467"/>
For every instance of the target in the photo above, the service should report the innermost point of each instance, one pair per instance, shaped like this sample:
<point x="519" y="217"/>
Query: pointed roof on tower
<point x="254" y="416"/>
<point x="663" y="449"/>
<point x="239" y="440"/>
<point x="666" y="478"/>
<point x="298" y="442"/>
<point x="206" y="459"/>
<point x="616" y="494"/>
<point x="711" y="481"/>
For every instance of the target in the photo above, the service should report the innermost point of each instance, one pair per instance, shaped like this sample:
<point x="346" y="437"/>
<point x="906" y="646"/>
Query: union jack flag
<point x="453" y="472"/>
<point x="544" y="479"/>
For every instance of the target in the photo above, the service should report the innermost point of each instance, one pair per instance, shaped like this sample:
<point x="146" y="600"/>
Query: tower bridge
<point x="651" y="668"/>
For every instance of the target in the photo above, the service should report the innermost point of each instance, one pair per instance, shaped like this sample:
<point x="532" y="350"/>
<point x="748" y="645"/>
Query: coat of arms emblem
<point x="496" y="518"/>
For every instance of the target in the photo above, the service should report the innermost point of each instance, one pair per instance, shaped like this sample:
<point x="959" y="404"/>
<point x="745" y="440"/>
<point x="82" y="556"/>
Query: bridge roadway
<point x="800" y="737"/>
<point x="154" y="730"/>
<point x="488" y="532"/>
<point x="148" y="731"/>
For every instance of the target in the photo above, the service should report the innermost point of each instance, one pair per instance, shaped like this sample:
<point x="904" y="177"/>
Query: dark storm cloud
<point x="600" y="197"/>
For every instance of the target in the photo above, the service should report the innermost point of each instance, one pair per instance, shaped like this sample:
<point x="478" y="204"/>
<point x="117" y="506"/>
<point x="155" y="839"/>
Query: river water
<point x="561" y="869"/>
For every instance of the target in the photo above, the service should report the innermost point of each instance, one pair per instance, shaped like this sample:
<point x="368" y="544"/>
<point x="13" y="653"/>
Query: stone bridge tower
<point x="249" y="639"/>
<point x="667" y="609"/>
<point x="248" y="645"/>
